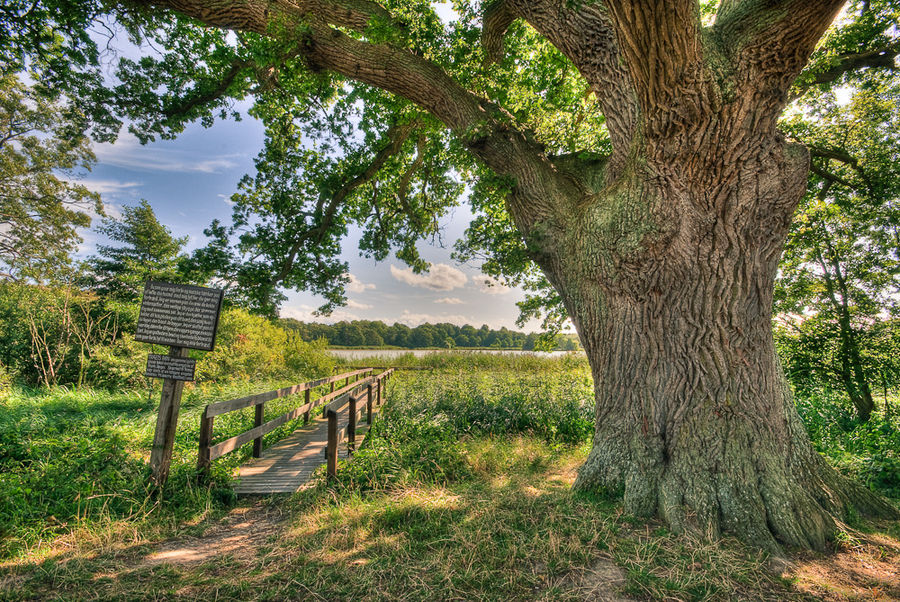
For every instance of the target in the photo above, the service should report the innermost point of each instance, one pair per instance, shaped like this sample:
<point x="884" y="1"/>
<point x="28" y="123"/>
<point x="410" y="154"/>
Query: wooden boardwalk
<point x="287" y="466"/>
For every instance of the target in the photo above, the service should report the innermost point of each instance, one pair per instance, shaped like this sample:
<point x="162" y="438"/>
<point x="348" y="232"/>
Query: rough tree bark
<point x="664" y="252"/>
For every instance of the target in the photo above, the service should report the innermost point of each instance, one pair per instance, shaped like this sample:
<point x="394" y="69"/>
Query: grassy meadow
<point x="462" y="491"/>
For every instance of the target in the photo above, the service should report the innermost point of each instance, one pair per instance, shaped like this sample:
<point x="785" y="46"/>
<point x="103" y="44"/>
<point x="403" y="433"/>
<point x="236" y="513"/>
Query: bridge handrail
<point x="337" y="436"/>
<point x="209" y="452"/>
<point x="231" y="405"/>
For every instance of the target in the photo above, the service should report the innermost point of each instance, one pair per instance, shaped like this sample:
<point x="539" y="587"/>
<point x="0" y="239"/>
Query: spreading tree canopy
<point x="41" y="150"/>
<point x="624" y="154"/>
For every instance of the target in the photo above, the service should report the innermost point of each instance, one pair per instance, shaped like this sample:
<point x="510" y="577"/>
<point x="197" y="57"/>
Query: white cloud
<point x="129" y="153"/>
<point x="111" y="210"/>
<point x="357" y="305"/>
<point x="489" y="286"/>
<point x="358" y="286"/>
<point x="305" y="313"/>
<point x="450" y="300"/>
<point x="105" y="187"/>
<point x="440" y="277"/>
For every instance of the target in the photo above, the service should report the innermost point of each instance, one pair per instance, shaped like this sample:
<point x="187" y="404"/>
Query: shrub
<point x="251" y="347"/>
<point x="6" y="382"/>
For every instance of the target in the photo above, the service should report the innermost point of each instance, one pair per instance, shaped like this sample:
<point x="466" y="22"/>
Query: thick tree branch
<point x="660" y="42"/>
<point x="584" y="34"/>
<point x="831" y="177"/>
<point x="769" y="43"/>
<point x="483" y="127"/>
<point x="837" y="155"/>
<point x="879" y="58"/>
<point x="203" y="97"/>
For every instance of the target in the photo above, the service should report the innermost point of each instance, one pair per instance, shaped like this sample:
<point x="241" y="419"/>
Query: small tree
<point x="149" y="252"/>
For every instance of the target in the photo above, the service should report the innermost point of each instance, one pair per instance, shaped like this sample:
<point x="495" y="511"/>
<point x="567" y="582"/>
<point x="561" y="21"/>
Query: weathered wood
<point x="206" y="428"/>
<point x="166" y="421"/>
<point x="220" y="449"/>
<point x="331" y="450"/>
<point x="308" y="406"/>
<point x="351" y="424"/>
<point x="224" y="407"/>
<point x="369" y="404"/>
<point x="257" y="422"/>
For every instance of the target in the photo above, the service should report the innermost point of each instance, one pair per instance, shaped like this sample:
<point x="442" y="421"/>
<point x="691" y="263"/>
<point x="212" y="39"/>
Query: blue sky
<point x="188" y="182"/>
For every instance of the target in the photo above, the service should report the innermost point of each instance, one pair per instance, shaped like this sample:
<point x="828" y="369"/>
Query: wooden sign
<point x="179" y="315"/>
<point x="166" y="366"/>
<point x="183" y="317"/>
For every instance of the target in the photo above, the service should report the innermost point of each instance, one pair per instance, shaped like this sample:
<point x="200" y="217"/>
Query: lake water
<point x="360" y="354"/>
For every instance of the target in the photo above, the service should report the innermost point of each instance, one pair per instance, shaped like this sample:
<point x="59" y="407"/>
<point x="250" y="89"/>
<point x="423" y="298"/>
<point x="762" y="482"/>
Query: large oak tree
<point x="634" y="147"/>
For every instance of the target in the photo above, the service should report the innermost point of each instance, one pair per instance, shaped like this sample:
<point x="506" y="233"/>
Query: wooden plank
<point x="166" y="422"/>
<point x="223" y="407"/>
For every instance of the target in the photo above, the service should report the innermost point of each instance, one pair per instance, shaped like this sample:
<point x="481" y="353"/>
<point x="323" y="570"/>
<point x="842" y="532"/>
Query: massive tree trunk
<point x="669" y="280"/>
<point x="664" y="252"/>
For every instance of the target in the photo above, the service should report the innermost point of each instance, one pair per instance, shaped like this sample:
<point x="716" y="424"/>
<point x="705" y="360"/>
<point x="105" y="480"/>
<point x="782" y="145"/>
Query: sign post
<point x="182" y="317"/>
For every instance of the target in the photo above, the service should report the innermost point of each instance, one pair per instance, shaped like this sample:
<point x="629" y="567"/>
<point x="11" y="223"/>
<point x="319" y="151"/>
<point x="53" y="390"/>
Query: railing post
<point x="258" y="420"/>
<point x="369" y="405"/>
<point x="332" y="387"/>
<point x="351" y="425"/>
<point x="203" y="461"/>
<point x="331" y="451"/>
<point x="306" y="401"/>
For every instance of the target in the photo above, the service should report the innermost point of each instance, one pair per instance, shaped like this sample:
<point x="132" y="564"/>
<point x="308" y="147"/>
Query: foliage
<point x="841" y="262"/>
<point x="51" y="335"/>
<point x="250" y="347"/>
<point x="65" y="336"/>
<point x="415" y="438"/>
<point x="870" y="451"/>
<point x="6" y="381"/>
<point x="42" y="150"/>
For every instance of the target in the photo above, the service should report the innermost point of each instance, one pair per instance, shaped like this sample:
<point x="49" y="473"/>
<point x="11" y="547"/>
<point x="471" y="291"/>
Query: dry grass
<point x="513" y="530"/>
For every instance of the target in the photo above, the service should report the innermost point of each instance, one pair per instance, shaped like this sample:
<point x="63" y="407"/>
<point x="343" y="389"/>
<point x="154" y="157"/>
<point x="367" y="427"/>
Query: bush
<point x="416" y="438"/>
<point x="252" y="347"/>
<point x="869" y="452"/>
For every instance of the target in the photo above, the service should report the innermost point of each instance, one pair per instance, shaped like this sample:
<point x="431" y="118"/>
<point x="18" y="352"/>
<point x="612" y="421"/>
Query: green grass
<point x="511" y="528"/>
<point x="77" y="461"/>
<point x="463" y="491"/>
<point x="460" y="360"/>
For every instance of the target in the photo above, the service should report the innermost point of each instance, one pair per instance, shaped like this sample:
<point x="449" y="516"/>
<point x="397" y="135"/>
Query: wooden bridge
<point x="288" y="465"/>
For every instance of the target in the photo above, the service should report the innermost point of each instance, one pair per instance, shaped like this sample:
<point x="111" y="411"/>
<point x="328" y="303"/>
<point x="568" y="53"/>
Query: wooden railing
<point x="361" y="391"/>
<point x="209" y="452"/>
<point x="348" y="433"/>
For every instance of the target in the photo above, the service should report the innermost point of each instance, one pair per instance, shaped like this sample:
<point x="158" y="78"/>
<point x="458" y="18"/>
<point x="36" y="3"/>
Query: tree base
<point x="765" y="493"/>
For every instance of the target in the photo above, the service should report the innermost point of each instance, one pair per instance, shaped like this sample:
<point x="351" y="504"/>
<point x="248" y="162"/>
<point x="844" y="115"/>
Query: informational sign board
<point x="180" y="315"/>
<point x="166" y="366"/>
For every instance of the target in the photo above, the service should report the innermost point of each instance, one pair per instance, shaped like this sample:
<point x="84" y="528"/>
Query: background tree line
<point x="367" y="333"/>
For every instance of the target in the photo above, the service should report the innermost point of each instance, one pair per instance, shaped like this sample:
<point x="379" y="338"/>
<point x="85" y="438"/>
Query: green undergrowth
<point x="76" y="462"/>
<point x="481" y="361"/>
<point x="461" y="491"/>
<point x="868" y="452"/>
